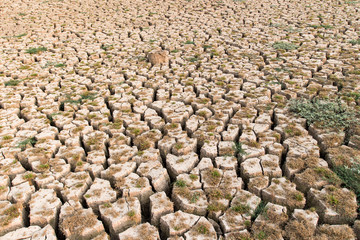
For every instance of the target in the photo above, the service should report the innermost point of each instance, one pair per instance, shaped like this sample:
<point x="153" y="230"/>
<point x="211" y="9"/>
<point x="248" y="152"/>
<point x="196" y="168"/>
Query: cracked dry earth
<point x="96" y="143"/>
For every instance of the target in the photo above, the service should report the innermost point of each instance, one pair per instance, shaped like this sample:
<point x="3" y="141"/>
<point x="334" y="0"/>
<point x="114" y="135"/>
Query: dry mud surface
<point x="96" y="143"/>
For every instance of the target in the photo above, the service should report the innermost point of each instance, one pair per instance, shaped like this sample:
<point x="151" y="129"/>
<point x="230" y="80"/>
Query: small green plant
<point x="7" y="137"/>
<point x="178" y="146"/>
<point x="21" y="35"/>
<point x="12" y="82"/>
<point x="105" y="47"/>
<point x="29" y="176"/>
<point x="261" y="235"/>
<point x="24" y="143"/>
<point x="241" y="208"/>
<point x="298" y="197"/>
<point x="193" y="177"/>
<point x="88" y="95"/>
<point x="325" y="26"/>
<point x="333" y="200"/>
<point x="189" y="42"/>
<point x="350" y="177"/>
<point x="107" y="205"/>
<point x="355" y="41"/>
<point x="239" y="151"/>
<point x="44" y="166"/>
<point x="215" y="173"/>
<point x="324" y="112"/>
<point x="202" y="229"/>
<point x="36" y="50"/>
<point x="261" y="208"/>
<point x="59" y="65"/>
<point x="285" y="46"/>
<point x="180" y="183"/>
<point x="131" y="213"/>
<point x="195" y="197"/>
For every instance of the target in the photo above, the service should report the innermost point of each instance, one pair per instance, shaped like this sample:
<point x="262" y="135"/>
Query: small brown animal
<point x="159" y="57"/>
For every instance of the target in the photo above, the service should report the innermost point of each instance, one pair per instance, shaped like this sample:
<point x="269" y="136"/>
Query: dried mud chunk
<point x="160" y="205"/>
<point x="99" y="192"/>
<point x="80" y="224"/>
<point x="121" y="215"/>
<point x="272" y="213"/>
<point x="11" y="167"/>
<point x="294" y="165"/>
<point x="334" y="205"/>
<point x="136" y="186"/>
<point x="159" y="57"/>
<point x="342" y="156"/>
<point x="118" y="171"/>
<point x="181" y="164"/>
<point x="283" y="192"/>
<point x="251" y="168"/>
<point x="203" y="229"/>
<point x="140" y="232"/>
<point x="270" y="165"/>
<point x="238" y="216"/>
<point x="184" y="146"/>
<point x="226" y="162"/>
<point x="44" y="208"/>
<point x="11" y="216"/>
<point x="243" y="234"/>
<point x="22" y="192"/>
<point x="316" y="178"/>
<point x="190" y="201"/>
<point x="211" y="177"/>
<point x="335" y="232"/>
<point x="176" y="224"/>
<point x="302" y="225"/>
<point x="75" y="185"/>
<point x="155" y="172"/>
<point x="22" y="233"/>
<point x="257" y="184"/>
<point x="4" y="187"/>
<point x="209" y="149"/>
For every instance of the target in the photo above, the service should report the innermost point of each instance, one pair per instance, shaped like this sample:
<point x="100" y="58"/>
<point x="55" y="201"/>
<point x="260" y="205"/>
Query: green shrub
<point x="24" y="143"/>
<point x="324" y="112"/>
<point x="12" y="82"/>
<point x="350" y="177"/>
<point x="36" y="50"/>
<point x="354" y="42"/>
<point x="285" y="46"/>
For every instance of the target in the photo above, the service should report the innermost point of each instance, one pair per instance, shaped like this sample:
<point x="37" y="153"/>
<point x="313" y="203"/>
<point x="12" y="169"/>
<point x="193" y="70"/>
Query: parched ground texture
<point x="96" y="143"/>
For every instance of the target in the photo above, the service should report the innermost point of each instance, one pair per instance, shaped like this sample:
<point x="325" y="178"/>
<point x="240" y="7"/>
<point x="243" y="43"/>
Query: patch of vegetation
<point x="238" y="149"/>
<point x="26" y="142"/>
<point x="241" y="208"/>
<point x="12" y="82"/>
<point x="189" y="42"/>
<point x="259" y="210"/>
<point x="59" y="65"/>
<point x="323" y="112"/>
<point x="325" y="26"/>
<point x="20" y="35"/>
<point x="285" y="46"/>
<point x="202" y="229"/>
<point x="180" y="183"/>
<point x="36" y="50"/>
<point x="105" y="47"/>
<point x="354" y="42"/>
<point x="350" y="177"/>
<point x="195" y="197"/>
